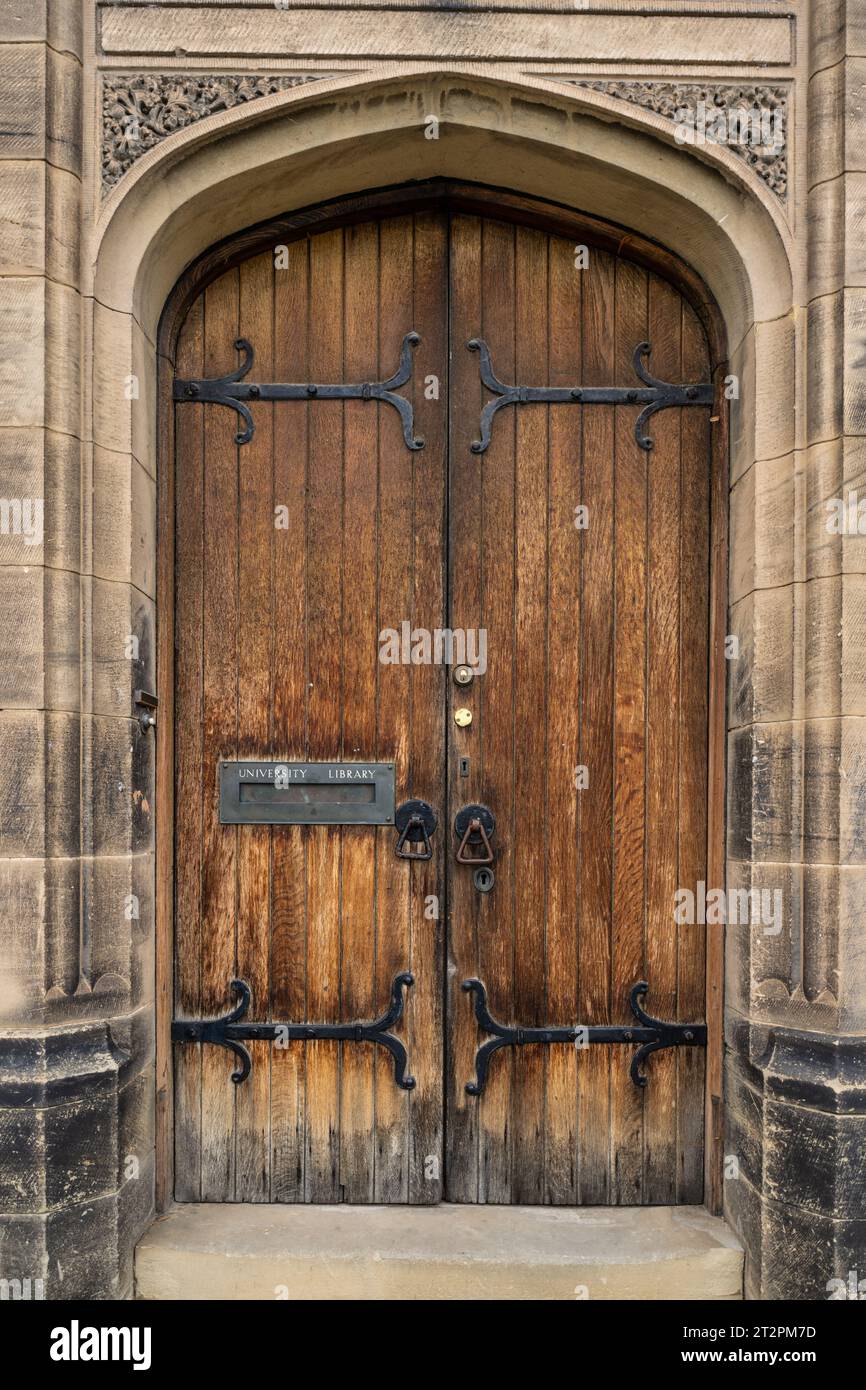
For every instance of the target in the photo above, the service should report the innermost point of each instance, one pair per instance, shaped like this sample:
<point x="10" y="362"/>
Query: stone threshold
<point x="233" y="1251"/>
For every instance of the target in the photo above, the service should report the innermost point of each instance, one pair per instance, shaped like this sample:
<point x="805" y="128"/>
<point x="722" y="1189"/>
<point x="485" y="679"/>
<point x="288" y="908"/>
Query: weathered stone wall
<point x="76" y="1170"/>
<point x="133" y="136"/>
<point x="796" y="1001"/>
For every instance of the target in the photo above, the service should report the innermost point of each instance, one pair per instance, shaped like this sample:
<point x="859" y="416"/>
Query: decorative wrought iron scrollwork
<point x="230" y="1033"/>
<point x="654" y="395"/>
<point x="233" y="391"/>
<point x="652" y="1034"/>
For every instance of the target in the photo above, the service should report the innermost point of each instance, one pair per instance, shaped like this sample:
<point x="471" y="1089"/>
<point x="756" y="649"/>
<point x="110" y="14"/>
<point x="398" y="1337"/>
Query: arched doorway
<point x="306" y="566"/>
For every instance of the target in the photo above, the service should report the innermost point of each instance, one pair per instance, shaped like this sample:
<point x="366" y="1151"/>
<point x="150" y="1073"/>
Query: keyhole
<point x="483" y="880"/>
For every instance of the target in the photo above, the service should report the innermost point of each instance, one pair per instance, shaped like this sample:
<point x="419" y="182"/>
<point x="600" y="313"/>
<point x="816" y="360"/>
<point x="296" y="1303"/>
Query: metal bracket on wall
<point x="229" y="1032"/>
<point x="231" y="390"/>
<point x="652" y="1034"/>
<point x="147" y="704"/>
<point x="654" y="395"/>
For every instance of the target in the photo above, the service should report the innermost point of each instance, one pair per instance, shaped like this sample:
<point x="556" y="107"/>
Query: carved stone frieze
<point x="749" y="119"/>
<point x="141" y="109"/>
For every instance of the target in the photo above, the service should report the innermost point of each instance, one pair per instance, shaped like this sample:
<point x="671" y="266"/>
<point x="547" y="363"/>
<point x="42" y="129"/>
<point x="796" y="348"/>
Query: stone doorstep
<point x="232" y="1251"/>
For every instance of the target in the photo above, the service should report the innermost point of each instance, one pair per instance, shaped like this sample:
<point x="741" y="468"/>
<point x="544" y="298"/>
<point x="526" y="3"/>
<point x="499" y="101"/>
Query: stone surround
<point x="243" y="111"/>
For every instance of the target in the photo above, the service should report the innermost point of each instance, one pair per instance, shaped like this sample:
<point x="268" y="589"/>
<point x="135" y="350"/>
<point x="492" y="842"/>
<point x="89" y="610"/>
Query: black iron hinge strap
<point x="231" y="1033"/>
<point x="232" y="391"/>
<point x="651" y="1034"/>
<point x="653" y="395"/>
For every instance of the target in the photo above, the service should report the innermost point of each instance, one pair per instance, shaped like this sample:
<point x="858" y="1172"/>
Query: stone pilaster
<point x="796" y="987"/>
<point x="75" y="871"/>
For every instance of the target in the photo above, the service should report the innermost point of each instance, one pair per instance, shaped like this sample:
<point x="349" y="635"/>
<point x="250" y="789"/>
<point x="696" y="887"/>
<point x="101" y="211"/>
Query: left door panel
<point x="293" y="553"/>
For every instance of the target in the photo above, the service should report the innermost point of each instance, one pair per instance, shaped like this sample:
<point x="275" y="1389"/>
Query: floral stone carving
<point x="141" y="109"/>
<point x="750" y="120"/>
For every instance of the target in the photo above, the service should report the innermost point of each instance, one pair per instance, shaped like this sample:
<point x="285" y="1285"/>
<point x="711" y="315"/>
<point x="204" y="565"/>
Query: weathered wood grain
<point x="255" y="540"/>
<point x="427" y="901"/>
<point x="357" y="1100"/>
<point x="219" y="719"/>
<point x="695" y="553"/>
<point x="596" y="696"/>
<point x="289" y="867"/>
<point x="324" y="708"/>
<point x="597" y="657"/>
<point x="532" y="719"/>
<point x="465" y="483"/>
<point x="493" y="694"/>
<point x="564" y="802"/>
<point x="665" y="811"/>
<point x="629" y="769"/>
<point x="188" y="675"/>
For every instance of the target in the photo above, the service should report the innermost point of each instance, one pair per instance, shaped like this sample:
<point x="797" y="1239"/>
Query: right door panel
<point x="586" y="562"/>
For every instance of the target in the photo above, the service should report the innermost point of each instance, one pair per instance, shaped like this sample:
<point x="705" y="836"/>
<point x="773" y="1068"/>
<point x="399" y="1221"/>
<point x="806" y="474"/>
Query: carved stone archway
<point x="580" y="146"/>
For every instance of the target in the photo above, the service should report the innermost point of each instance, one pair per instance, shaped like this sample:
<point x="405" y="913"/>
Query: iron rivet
<point x="254" y="393"/>
<point x="312" y="390"/>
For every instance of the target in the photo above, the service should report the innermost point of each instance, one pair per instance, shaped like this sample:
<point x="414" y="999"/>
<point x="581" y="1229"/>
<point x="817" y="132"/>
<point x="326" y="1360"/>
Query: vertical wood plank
<point x="492" y="696"/>
<point x="164" y="798"/>
<point x="360" y="534"/>
<point x="532" y="713"/>
<point x="694" y="642"/>
<point x="324" y="708"/>
<point x="662" y="752"/>
<point x="219" y="722"/>
<point x="395" y="586"/>
<point x="629" y="809"/>
<point x="595" y="896"/>
<point x="715" y="944"/>
<point x="464" y="549"/>
<point x="188" y="682"/>
<point x="563" y="725"/>
<point x="255" y="531"/>
<point x="424" y="1025"/>
<point x="290" y="662"/>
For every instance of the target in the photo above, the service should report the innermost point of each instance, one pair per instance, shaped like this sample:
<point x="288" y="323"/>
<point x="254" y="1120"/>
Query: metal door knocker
<point x="473" y="826"/>
<point x="416" y="822"/>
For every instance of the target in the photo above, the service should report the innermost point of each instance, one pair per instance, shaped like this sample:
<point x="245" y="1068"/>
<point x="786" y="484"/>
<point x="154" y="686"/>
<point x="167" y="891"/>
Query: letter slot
<point x="274" y="793"/>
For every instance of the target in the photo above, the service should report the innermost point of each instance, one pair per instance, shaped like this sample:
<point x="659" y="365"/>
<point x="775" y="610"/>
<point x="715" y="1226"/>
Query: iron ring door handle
<point x="473" y="826"/>
<point x="416" y="821"/>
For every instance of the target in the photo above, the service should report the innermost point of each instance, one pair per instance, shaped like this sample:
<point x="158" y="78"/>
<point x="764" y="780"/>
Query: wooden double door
<point x="580" y="563"/>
